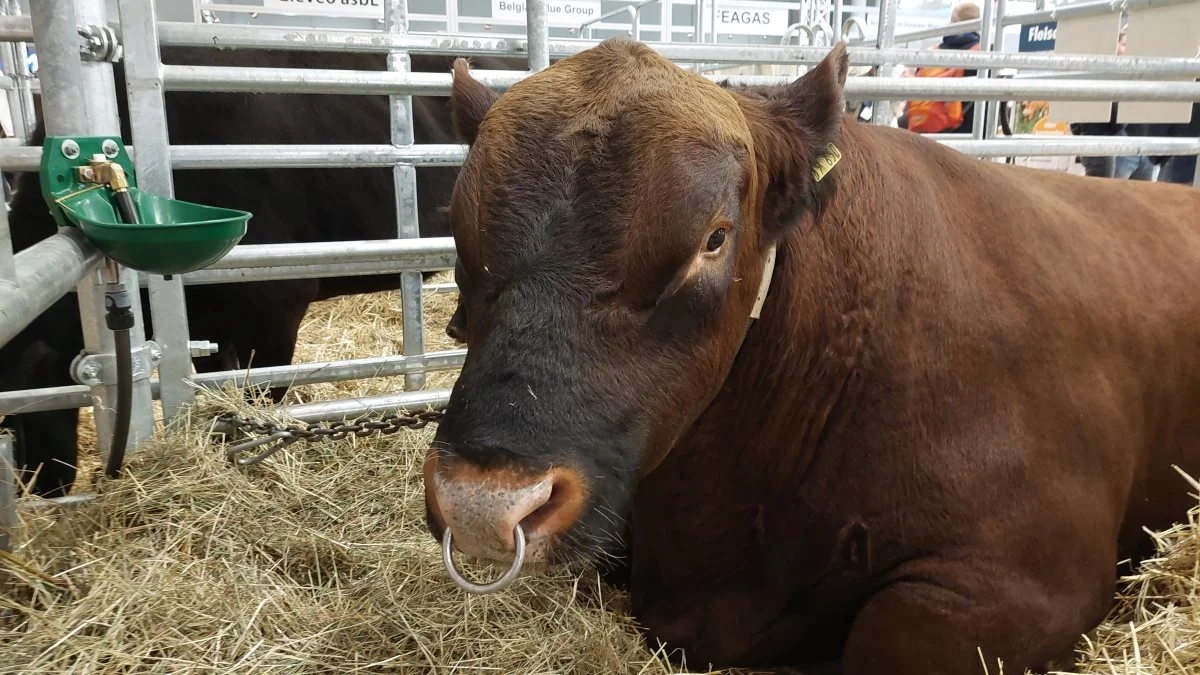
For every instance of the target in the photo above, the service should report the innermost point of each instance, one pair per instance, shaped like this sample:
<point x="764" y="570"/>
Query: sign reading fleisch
<point x="1037" y="37"/>
<point x="365" y="9"/>
<point x="560" y="13"/>
<point x="735" y="17"/>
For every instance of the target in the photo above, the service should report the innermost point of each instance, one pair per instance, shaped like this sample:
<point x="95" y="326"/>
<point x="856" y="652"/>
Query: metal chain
<point x="230" y="423"/>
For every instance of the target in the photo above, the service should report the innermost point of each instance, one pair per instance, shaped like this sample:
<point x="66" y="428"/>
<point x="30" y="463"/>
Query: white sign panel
<point x="748" y="18"/>
<point x="560" y="13"/>
<point x="366" y="9"/>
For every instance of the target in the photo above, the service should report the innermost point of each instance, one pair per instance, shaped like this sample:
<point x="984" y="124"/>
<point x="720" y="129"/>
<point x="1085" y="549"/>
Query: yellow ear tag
<point x="826" y="162"/>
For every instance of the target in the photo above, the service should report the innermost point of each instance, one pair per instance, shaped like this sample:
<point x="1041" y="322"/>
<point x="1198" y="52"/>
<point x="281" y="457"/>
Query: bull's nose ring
<point x="482" y="589"/>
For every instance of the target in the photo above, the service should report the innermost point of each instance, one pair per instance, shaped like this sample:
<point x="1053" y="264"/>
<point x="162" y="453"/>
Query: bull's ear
<point x="470" y="100"/>
<point x="796" y="132"/>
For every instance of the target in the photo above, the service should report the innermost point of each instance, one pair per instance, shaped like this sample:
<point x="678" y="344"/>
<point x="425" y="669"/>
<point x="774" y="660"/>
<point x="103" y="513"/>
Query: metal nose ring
<point x="483" y="589"/>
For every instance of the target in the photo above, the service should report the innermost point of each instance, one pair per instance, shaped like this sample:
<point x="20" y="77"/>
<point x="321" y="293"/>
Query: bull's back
<point x="1104" y="276"/>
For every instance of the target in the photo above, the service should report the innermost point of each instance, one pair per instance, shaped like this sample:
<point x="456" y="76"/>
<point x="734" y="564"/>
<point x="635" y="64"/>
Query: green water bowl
<point x="175" y="237"/>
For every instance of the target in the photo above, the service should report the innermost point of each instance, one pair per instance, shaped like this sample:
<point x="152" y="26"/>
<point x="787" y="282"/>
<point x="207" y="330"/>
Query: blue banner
<point x="1037" y="37"/>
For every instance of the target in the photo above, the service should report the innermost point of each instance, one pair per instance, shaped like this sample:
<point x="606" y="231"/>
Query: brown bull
<point x="959" y="406"/>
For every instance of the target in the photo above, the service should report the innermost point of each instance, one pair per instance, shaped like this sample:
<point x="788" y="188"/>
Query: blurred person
<point x="1126" y="167"/>
<point x="945" y="117"/>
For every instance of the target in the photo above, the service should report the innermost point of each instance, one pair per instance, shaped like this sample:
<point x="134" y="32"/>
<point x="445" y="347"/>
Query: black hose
<point x="126" y="208"/>
<point x="119" y="319"/>
<point x="120" y="437"/>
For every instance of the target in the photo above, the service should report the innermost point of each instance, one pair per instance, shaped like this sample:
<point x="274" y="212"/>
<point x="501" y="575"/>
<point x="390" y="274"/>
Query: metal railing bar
<point x="79" y="396"/>
<point x="207" y="157"/>
<point x="297" y="80"/>
<point x="45" y="272"/>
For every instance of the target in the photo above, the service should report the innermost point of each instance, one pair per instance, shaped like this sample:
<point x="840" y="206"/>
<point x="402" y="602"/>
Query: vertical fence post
<point x="148" y="127"/>
<point x="993" y="111"/>
<point x="537" y="34"/>
<point x="837" y="22"/>
<point x="21" y="78"/>
<point x="8" y="493"/>
<point x="881" y="112"/>
<point x="78" y="98"/>
<point x="12" y="69"/>
<point x="8" y="263"/>
<point x="405" y="181"/>
<point x="988" y="20"/>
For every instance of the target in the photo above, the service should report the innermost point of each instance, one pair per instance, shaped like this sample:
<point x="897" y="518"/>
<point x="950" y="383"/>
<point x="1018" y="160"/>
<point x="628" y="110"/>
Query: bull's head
<point x="614" y="219"/>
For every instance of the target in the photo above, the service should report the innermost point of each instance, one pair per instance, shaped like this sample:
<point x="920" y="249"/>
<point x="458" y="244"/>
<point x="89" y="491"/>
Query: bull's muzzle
<point x="499" y="514"/>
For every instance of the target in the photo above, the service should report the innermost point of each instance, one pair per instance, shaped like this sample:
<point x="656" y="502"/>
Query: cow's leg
<point x="271" y="340"/>
<point x="922" y="625"/>
<point x="255" y="324"/>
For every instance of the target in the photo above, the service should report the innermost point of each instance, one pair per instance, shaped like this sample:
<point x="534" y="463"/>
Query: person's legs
<point x="1124" y="166"/>
<point x="1135" y="167"/>
<point x="1179" y="169"/>
<point x="1104" y="167"/>
<point x="1146" y="170"/>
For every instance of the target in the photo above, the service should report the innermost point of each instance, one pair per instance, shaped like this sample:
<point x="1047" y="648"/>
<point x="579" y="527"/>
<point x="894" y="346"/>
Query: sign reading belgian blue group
<point x="1038" y="37"/>
<point x="560" y="13"/>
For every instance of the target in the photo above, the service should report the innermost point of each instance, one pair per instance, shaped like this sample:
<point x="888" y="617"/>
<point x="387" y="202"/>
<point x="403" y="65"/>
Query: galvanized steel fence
<point x="79" y="99"/>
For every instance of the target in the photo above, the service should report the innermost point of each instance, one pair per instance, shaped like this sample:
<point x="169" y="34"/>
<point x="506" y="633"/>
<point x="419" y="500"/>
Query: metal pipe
<point x="586" y="26"/>
<point x="79" y="99"/>
<point x="8" y="493"/>
<point x="313" y="157"/>
<point x="15" y="28"/>
<point x="712" y="21"/>
<point x="262" y="37"/>
<point x="314" y="80"/>
<point x="928" y="33"/>
<point x="850" y="23"/>
<point x="405" y="182"/>
<point x="8" y="263"/>
<point x="77" y="396"/>
<point x="435" y="251"/>
<point x="9" y="61"/>
<point x="46" y="271"/>
<point x="537" y="32"/>
<point x="46" y="398"/>
<point x="335" y="371"/>
<point x="54" y="24"/>
<point x="1081" y="10"/>
<point x="330" y="411"/>
<point x="209" y="277"/>
<point x="985" y="44"/>
<point x="296" y="80"/>
<point x="148" y="122"/>
<point x="881" y="109"/>
<point x="324" y="271"/>
<point x="1082" y="146"/>
<point x="993" y="112"/>
<point x="837" y="21"/>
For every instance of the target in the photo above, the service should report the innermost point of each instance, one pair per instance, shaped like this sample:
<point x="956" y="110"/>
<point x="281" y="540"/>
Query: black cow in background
<point x="289" y="205"/>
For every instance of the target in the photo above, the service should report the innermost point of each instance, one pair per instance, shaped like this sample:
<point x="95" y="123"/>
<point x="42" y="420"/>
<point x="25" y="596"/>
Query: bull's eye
<point x="716" y="239"/>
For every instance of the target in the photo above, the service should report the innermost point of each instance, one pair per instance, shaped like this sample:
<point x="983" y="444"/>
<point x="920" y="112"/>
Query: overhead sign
<point x="1038" y="37"/>
<point x="365" y="9"/>
<point x="560" y="13"/>
<point x="735" y="17"/>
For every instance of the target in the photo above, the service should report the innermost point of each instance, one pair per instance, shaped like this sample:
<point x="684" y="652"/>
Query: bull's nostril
<point x="563" y="507"/>
<point x="483" y="506"/>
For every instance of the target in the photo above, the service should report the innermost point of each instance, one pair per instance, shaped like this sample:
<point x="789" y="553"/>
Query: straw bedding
<point x="318" y="560"/>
